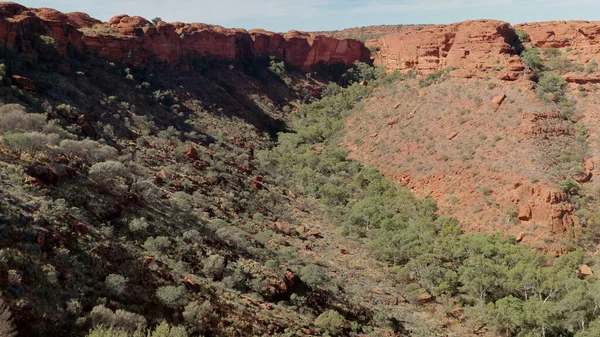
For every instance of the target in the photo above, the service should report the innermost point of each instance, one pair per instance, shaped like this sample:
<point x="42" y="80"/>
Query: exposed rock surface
<point x="473" y="48"/>
<point x="579" y="41"/>
<point x="135" y="40"/>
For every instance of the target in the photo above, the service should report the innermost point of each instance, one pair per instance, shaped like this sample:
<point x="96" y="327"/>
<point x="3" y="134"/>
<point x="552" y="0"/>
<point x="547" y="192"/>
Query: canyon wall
<point x="479" y="49"/>
<point x="136" y="41"/>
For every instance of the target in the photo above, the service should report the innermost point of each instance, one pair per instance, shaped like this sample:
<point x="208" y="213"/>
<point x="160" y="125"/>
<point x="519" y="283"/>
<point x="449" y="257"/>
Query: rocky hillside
<point x="176" y="180"/>
<point x="503" y="144"/>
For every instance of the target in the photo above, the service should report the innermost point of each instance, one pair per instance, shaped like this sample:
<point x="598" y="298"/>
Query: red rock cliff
<point x="137" y="41"/>
<point x="474" y="48"/>
<point x="582" y="37"/>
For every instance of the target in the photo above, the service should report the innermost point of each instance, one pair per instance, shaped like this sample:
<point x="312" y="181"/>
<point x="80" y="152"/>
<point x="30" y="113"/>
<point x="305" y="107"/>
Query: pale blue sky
<point x="283" y="15"/>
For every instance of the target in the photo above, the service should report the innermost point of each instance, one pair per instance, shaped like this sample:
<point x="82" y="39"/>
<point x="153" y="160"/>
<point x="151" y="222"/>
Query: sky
<point x="314" y="15"/>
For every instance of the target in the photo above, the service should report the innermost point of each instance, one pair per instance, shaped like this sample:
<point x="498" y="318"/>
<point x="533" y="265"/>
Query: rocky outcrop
<point x="136" y="41"/>
<point x="21" y="28"/>
<point x="140" y="42"/>
<point x="581" y="37"/>
<point x="473" y="48"/>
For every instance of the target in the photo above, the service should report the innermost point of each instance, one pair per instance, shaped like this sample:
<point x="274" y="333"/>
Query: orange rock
<point x="292" y="194"/>
<point x="169" y="44"/>
<point x="301" y="229"/>
<point x="397" y="106"/>
<point x="314" y="233"/>
<point x="499" y="99"/>
<point x="473" y="48"/>
<point x="520" y="237"/>
<point x="393" y="121"/>
<point x="524" y="213"/>
<point x="283" y="227"/>
<point x="581" y="36"/>
<point x="191" y="152"/>
<point x="585" y="270"/>
<point x="24" y="83"/>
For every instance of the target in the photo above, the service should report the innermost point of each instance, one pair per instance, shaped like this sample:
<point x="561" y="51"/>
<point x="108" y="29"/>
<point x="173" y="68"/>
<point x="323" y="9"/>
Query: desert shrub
<point x="52" y="211"/>
<point x="522" y="34"/>
<point x="433" y="78"/>
<point x="557" y="62"/>
<point x="107" y="332"/>
<point x="14" y="119"/>
<point x="108" y="173"/>
<point x="116" y="284"/>
<point x="551" y="86"/>
<point x="360" y="71"/>
<point x="312" y="275"/>
<point x="120" y="319"/>
<point x="87" y="150"/>
<point x="591" y="67"/>
<point x="194" y="314"/>
<point x="157" y="244"/>
<point x="146" y="191"/>
<point x="533" y="60"/>
<point x="331" y="321"/>
<point x="31" y="143"/>
<point x="139" y="225"/>
<point x="166" y="330"/>
<point x="214" y="266"/>
<point x="331" y="89"/>
<point x="171" y="296"/>
<point x="278" y="68"/>
<point x="161" y="330"/>
<point x="7" y="328"/>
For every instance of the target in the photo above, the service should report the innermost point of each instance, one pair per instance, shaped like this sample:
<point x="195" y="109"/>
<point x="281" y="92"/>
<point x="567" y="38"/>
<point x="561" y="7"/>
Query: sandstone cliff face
<point x="135" y="40"/>
<point x="20" y="27"/>
<point x="582" y="38"/>
<point x="474" y="48"/>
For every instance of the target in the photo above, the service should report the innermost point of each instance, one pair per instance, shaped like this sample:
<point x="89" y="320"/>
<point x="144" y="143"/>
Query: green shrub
<point x="166" y="330"/>
<point x="171" y="296"/>
<point x="332" y="322"/>
<point x="108" y="173"/>
<point x="312" y="275"/>
<point x="14" y="119"/>
<point x="157" y="244"/>
<point x="433" y="78"/>
<point x="214" y="266"/>
<point x="533" y="60"/>
<point x="195" y="313"/>
<point x="116" y="284"/>
<point x="120" y="319"/>
<point x="551" y="86"/>
<point x="87" y="150"/>
<point x="138" y="225"/>
<point x="591" y="67"/>
<point x="31" y="143"/>
<point x="7" y="327"/>
<point x="522" y="34"/>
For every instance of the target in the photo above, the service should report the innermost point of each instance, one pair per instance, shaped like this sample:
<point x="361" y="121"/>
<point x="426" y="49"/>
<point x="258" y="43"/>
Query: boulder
<point x="499" y="99"/>
<point x="191" y="152"/>
<point x="585" y="270"/>
<point x="524" y="213"/>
